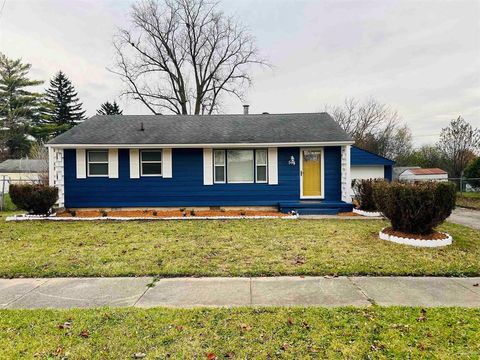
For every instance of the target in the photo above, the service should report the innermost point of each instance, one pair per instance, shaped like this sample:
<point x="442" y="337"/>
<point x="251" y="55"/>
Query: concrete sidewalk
<point x="466" y="217"/>
<point x="274" y="291"/>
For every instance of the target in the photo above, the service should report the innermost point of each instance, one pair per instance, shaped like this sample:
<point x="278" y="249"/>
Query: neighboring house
<point x="368" y="165"/>
<point x="16" y="171"/>
<point x="291" y="161"/>
<point x="397" y="170"/>
<point x="416" y="174"/>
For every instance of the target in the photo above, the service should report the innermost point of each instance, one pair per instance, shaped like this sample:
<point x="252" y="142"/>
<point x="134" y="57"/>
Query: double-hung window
<point x="97" y="163"/>
<point x="151" y="162"/>
<point x="219" y="166"/>
<point x="261" y="165"/>
<point x="240" y="166"/>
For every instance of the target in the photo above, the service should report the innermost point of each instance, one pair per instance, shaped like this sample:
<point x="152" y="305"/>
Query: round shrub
<point x="363" y="189"/>
<point x="36" y="199"/>
<point x="415" y="208"/>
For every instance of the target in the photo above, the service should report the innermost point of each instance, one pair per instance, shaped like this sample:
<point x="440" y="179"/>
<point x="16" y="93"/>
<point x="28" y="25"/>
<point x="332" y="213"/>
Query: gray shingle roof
<point x="22" y="166"/>
<point x="196" y="129"/>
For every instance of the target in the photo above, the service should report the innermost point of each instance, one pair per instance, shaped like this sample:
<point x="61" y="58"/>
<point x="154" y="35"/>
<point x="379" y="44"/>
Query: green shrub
<point x="36" y="199"/>
<point x="415" y="208"/>
<point x="363" y="189"/>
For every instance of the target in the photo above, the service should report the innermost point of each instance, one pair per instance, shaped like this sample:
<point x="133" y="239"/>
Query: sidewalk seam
<point x="369" y="299"/>
<point x="28" y="292"/>
<point x="147" y="288"/>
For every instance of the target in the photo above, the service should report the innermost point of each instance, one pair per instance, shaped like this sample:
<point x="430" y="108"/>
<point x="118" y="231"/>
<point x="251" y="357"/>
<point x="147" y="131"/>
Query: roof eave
<point x="216" y="145"/>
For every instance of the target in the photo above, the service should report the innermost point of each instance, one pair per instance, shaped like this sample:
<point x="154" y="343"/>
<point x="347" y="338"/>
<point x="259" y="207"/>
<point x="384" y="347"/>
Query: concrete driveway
<point x="466" y="217"/>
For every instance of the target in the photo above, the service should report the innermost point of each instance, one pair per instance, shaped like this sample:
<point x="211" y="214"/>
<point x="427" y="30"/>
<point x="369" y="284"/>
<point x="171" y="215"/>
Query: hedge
<point x="36" y="199"/>
<point x="415" y="208"/>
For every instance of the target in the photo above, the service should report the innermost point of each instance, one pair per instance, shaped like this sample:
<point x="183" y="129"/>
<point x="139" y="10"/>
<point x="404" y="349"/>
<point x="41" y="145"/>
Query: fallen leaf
<point x="139" y="355"/>
<point x="245" y="327"/>
<point x="85" y="333"/>
<point x="290" y="321"/>
<point x="285" y="346"/>
<point x="211" y="356"/>
<point x="65" y="325"/>
<point x="179" y="327"/>
<point x="423" y="315"/>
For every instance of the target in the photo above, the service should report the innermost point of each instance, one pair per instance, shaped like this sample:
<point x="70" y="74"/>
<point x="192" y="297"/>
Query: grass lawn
<point x="471" y="200"/>
<point x="264" y="333"/>
<point x="225" y="248"/>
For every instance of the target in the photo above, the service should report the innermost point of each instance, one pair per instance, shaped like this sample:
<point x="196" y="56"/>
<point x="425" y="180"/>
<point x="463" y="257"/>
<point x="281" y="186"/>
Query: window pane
<point x="151" y="156"/>
<point x="240" y="165"/>
<point x="219" y="174"/>
<point x="151" y="169"/>
<point x="98" y="169"/>
<point x="261" y="173"/>
<point x="100" y="156"/>
<point x="261" y="157"/>
<point x="219" y="157"/>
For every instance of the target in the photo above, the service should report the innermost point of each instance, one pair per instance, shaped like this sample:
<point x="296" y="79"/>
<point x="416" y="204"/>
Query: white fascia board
<point x="218" y="146"/>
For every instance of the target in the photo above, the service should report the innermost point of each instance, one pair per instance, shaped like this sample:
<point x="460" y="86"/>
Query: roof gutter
<point x="190" y="146"/>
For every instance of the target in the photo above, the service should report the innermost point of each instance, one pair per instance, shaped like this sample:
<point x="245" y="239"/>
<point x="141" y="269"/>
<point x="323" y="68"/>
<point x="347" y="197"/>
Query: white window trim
<point x="88" y="162"/>
<point x="257" y="165"/>
<point x="151" y="162"/>
<point x="322" y="179"/>
<point x="224" y="165"/>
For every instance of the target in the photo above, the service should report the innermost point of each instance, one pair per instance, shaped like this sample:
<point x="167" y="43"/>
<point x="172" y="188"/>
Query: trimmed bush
<point x="36" y="199"/>
<point x="363" y="189"/>
<point x="415" y="208"/>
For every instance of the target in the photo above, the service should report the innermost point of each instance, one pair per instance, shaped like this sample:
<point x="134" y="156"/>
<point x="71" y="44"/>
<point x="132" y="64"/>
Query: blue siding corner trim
<point x="362" y="157"/>
<point x="186" y="188"/>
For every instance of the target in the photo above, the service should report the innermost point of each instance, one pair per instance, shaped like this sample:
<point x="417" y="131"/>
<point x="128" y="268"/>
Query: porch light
<point x="291" y="161"/>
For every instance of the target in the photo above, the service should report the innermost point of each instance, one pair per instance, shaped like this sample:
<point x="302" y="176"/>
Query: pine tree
<point x="63" y="108"/>
<point x="108" y="108"/>
<point x="19" y="107"/>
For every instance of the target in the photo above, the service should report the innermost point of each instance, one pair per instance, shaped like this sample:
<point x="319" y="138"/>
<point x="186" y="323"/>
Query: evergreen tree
<point x="108" y="108"/>
<point x="18" y="106"/>
<point x="63" y="109"/>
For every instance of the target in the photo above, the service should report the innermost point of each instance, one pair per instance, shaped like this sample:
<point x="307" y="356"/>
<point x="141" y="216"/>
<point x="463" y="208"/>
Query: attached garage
<point x="367" y="165"/>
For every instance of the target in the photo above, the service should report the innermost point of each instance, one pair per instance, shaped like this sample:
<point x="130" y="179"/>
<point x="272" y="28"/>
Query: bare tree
<point x="374" y="126"/>
<point x="182" y="56"/>
<point x="459" y="142"/>
<point x="39" y="151"/>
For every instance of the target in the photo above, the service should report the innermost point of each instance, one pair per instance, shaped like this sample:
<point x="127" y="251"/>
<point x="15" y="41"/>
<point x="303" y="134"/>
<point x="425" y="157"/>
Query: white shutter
<point x="272" y="166"/>
<point x="167" y="163"/>
<point x="113" y="163"/>
<point x="81" y="164"/>
<point x="134" y="164"/>
<point x="207" y="167"/>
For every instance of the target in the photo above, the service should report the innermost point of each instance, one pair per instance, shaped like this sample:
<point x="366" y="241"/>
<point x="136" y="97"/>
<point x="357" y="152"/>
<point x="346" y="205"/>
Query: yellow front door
<point x="312" y="173"/>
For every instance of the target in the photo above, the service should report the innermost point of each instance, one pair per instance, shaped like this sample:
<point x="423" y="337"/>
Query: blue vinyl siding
<point x="363" y="157"/>
<point x="186" y="188"/>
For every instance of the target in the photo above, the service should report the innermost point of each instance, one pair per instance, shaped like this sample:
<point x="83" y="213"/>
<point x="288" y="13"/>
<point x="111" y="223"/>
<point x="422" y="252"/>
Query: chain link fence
<point x="466" y="185"/>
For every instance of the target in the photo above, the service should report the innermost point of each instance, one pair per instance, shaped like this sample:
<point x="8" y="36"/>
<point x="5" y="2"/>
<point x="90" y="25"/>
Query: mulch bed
<point x="167" y="213"/>
<point x="434" y="236"/>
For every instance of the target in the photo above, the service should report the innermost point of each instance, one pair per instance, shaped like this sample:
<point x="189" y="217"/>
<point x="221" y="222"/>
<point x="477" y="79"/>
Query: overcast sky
<point x="420" y="57"/>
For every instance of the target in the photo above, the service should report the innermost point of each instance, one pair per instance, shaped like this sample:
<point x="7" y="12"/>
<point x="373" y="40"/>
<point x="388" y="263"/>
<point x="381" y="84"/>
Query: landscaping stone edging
<point x="367" y="213"/>
<point x="416" y="242"/>
<point x="112" y="218"/>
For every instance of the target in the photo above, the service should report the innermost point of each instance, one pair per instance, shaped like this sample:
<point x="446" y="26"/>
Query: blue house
<point x="290" y="161"/>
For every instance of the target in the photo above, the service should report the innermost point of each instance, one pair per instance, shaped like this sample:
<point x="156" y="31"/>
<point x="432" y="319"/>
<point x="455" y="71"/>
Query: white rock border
<point x="367" y="213"/>
<point x="116" y="218"/>
<point x="416" y="242"/>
